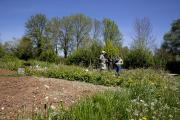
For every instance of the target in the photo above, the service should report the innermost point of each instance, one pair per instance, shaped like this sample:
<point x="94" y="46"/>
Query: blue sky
<point x="14" y="14"/>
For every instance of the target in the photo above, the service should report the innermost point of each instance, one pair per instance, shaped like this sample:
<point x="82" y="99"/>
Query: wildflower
<point x="53" y="107"/>
<point x="2" y="108"/>
<point x="152" y="104"/>
<point x="128" y="110"/>
<point x="133" y="101"/>
<point x="86" y="70"/>
<point x="144" y="118"/>
<point x="170" y="116"/>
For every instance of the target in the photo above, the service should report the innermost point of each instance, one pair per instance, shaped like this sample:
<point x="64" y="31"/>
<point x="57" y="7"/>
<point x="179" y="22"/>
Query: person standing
<point x="102" y="61"/>
<point x="118" y="63"/>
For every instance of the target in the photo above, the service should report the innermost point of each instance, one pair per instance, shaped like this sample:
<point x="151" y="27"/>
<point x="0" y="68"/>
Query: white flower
<point x="2" y="108"/>
<point x="86" y="70"/>
<point x="170" y="116"/>
<point x="152" y="104"/>
<point x="53" y="107"/>
<point x="134" y="100"/>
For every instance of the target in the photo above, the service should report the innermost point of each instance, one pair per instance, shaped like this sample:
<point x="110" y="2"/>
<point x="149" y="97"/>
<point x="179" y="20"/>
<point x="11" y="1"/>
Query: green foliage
<point x="87" y="56"/>
<point x="172" y="39"/>
<point x="10" y="62"/>
<point x="82" y="27"/>
<point x="161" y="58"/>
<point x="2" y="51"/>
<point x="148" y="94"/>
<point x="48" y="56"/>
<point x="66" y="35"/>
<point x="25" y="49"/>
<point x="36" y="30"/>
<point x="103" y="106"/>
<point x="138" y="58"/>
<point x="111" y="49"/>
<point x="111" y="32"/>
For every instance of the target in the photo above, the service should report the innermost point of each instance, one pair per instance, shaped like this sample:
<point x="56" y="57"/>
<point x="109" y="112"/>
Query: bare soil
<point x="25" y="95"/>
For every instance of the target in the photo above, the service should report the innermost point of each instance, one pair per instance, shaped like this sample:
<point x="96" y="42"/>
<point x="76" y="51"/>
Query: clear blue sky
<point x="14" y="14"/>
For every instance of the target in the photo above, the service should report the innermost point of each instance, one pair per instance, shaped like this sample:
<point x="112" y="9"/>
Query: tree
<point x="172" y="39"/>
<point x="2" y="51"/>
<point x="82" y="27"/>
<point x="140" y="54"/>
<point x="36" y="30"/>
<point x="112" y="50"/>
<point x="25" y="49"/>
<point x="55" y="29"/>
<point x="66" y="35"/>
<point x="111" y="32"/>
<point x="143" y="37"/>
<point x="96" y="30"/>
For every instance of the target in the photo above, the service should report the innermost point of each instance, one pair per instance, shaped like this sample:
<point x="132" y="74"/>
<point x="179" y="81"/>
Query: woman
<point x="118" y="63"/>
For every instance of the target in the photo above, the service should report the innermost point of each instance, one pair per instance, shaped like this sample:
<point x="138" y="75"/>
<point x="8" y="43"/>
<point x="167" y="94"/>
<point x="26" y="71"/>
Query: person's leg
<point x="118" y="69"/>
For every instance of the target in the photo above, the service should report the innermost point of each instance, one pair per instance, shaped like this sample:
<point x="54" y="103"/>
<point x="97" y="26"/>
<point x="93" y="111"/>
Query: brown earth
<point x="24" y="95"/>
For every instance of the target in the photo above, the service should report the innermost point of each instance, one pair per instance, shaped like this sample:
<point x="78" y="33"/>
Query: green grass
<point x="145" y="94"/>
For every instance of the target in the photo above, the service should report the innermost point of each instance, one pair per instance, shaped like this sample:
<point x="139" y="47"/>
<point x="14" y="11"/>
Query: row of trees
<point x="81" y="39"/>
<point x="69" y="33"/>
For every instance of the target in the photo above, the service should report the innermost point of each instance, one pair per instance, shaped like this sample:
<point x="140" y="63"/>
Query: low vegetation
<point x="145" y="93"/>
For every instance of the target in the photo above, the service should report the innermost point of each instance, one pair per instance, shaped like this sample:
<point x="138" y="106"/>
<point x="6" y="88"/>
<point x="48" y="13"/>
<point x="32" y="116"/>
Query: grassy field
<point x="146" y="94"/>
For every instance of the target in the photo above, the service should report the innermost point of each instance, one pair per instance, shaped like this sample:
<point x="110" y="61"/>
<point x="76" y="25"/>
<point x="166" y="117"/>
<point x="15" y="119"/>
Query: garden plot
<point x="22" y="95"/>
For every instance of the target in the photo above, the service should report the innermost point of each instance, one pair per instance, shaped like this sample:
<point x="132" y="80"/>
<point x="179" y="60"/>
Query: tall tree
<point x="143" y="37"/>
<point x="55" y="29"/>
<point x="66" y="35"/>
<point x="111" y="32"/>
<point x="172" y="39"/>
<point x="96" y="30"/>
<point x="82" y="27"/>
<point x="36" y="30"/>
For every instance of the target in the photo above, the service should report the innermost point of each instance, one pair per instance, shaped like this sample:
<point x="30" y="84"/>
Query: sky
<point x="15" y="13"/>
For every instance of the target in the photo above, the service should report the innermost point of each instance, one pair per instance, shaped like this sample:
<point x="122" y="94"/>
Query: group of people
<point x="108" y="63"/>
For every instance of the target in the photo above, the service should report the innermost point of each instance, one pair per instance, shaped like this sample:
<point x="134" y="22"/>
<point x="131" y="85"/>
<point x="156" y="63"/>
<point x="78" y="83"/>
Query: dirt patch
<point x="7" y="72"/>
<point x="26" y="94"/>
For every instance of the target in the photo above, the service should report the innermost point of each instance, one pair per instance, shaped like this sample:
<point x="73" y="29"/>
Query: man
<point x="102" y="60"/>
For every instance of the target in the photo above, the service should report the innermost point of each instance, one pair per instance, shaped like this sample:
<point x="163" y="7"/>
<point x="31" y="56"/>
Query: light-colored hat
<point x="103" y="51"/>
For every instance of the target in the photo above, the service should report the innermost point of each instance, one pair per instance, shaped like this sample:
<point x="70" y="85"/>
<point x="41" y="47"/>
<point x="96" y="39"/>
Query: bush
<point x="10" y="62"/>
<point x="86" y="56"/>
<point x="138" y="59"/>
<point x="2" y="51"/>
<point x="48" y="56"/>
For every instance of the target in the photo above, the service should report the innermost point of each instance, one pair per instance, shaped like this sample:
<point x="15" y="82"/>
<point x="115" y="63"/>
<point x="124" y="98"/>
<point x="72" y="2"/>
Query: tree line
<point x="81" y="39"/>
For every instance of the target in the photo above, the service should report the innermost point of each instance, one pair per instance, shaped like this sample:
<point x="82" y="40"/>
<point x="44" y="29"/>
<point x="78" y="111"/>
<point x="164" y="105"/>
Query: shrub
<point x="138" y="59"/>
<point x="86" y="56"/>
<point x="48" y="56"/>
<point x="10" y="62"/>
